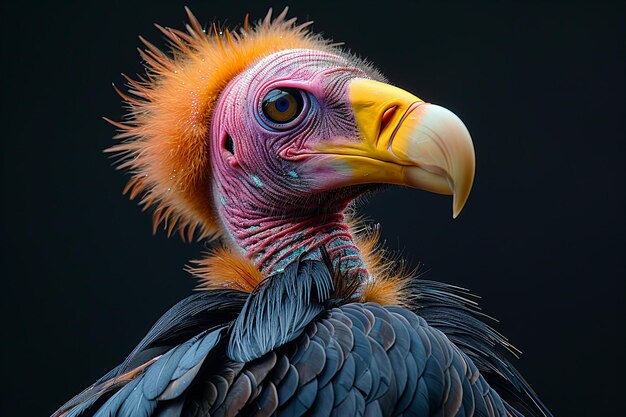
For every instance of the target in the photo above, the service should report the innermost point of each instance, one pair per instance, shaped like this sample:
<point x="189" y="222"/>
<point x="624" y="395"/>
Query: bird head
<point x="266" y="134"/>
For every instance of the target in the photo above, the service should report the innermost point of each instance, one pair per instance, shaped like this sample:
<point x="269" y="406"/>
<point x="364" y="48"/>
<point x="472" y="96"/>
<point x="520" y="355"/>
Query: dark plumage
<point x="359" y="359"/>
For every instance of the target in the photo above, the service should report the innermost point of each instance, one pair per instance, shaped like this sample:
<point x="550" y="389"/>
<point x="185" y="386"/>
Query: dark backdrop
<point x="540" y="88"/>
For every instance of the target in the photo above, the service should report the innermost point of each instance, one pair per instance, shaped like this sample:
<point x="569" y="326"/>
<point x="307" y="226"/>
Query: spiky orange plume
<point x="389" y="278"/>
<point x="165" y="135"/>
<point x="223" y="268"/>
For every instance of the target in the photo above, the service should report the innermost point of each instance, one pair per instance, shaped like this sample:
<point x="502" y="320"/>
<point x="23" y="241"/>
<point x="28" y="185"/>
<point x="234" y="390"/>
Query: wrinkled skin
<point x="267" y="179"/>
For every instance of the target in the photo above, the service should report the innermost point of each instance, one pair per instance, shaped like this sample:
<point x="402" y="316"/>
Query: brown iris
<point x="283" y="105"/>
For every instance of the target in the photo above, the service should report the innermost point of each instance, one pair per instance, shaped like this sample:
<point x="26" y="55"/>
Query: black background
<point x="540" y="87"/>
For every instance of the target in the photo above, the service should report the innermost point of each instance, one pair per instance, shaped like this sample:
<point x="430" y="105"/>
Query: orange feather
<point x="165" y="137"/>
<point x="389" y="279"/>
<point x="224" y="268"/>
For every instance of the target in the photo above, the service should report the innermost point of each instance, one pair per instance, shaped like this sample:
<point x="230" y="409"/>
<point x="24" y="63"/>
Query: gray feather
<point x="279" y="310"/>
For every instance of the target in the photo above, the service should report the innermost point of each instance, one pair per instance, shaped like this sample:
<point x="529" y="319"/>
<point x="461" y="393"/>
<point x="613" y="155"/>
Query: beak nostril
<point x="387" y="116"/>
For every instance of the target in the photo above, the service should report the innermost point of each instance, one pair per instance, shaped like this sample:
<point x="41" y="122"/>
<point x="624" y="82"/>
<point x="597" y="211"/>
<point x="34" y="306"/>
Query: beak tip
<point x="458" y="201"/>
<point x="456" y="211"/>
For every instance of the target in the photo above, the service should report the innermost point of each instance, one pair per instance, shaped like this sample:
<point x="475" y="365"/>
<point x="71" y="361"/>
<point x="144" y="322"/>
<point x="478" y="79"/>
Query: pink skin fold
<point x="276" y="203"/>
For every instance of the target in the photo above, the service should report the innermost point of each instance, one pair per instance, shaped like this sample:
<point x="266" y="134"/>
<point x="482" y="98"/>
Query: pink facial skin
<point x="275" y="202"/>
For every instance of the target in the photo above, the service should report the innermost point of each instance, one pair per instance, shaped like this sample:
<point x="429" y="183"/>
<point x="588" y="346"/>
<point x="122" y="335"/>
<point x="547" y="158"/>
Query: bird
<point x="260" y="139"/>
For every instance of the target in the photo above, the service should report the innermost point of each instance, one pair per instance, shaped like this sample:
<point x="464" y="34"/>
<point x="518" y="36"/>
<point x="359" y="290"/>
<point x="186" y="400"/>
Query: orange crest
<point x="166" y="137"/>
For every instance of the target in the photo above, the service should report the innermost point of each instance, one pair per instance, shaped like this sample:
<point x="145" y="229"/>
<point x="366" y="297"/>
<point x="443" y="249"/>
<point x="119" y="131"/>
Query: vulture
<point x="261" y="138"/>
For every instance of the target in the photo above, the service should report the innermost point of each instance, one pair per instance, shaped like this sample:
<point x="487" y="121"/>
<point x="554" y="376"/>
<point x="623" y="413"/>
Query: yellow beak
<point x="406" y="141"/>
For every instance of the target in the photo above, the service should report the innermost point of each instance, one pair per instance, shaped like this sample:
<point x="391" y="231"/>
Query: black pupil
<point x="282" y="105"/>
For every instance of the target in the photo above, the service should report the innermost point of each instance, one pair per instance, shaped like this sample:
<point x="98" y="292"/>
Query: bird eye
<point x="282" y="105"/>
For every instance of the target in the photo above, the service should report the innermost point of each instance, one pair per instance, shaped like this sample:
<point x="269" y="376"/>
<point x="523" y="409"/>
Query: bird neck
<point x="273" y="242"/>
